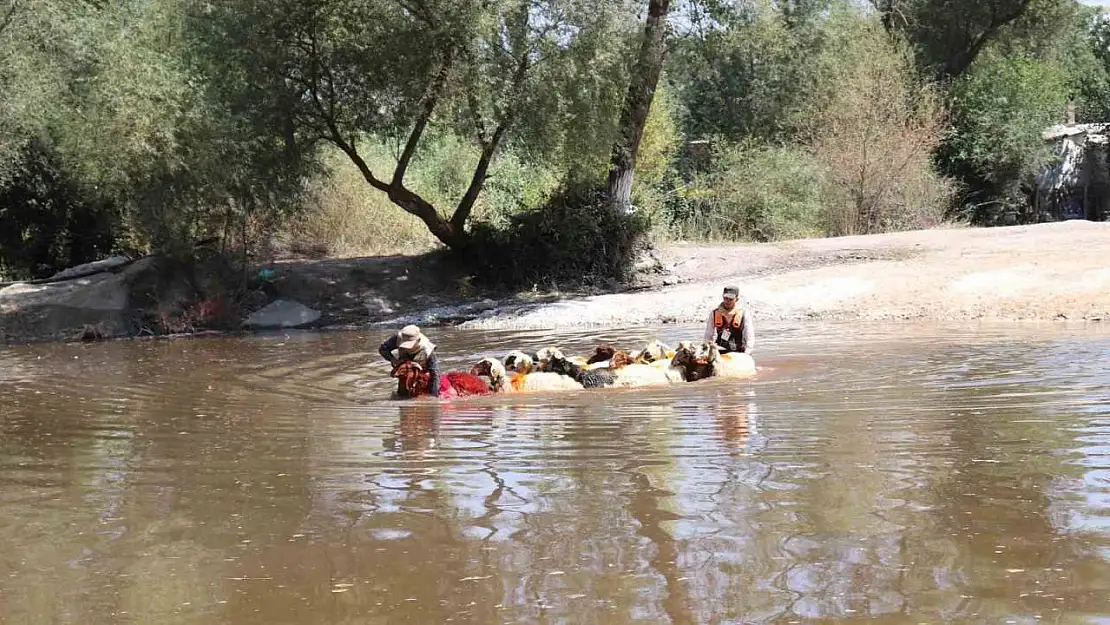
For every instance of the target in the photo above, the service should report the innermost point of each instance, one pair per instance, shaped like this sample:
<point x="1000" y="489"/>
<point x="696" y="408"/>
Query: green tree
<point x="751" y="73"/>
<point x="1001" y="107"/>
<point x="340" y="71"/>
<point x="949" y="35"/>
<point x="637" y="104"/>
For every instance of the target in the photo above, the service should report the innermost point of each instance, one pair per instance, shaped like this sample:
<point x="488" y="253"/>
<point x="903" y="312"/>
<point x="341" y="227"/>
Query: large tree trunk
<point x="637" y="105"/>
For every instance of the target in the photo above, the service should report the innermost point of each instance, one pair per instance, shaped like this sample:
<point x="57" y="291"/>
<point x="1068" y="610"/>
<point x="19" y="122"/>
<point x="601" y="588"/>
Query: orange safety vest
<point x="720" y="322"/>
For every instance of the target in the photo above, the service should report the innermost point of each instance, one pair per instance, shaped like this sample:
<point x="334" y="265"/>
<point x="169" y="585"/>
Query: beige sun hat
<point x="408" y="338"/>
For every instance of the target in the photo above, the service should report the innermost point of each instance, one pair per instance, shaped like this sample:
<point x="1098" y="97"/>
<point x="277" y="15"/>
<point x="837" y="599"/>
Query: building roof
<point x="1070" y="130"/>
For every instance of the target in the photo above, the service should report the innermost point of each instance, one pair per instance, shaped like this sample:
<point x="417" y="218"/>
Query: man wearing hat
<point x="729" y="326"/>
<point x="411" y="344"/>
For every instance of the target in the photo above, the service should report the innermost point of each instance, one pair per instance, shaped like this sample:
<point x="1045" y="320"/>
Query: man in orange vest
<point x="729" y="326"/>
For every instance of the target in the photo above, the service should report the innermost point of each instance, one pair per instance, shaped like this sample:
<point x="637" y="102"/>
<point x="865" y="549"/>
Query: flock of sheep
<point x="550" y="369"/>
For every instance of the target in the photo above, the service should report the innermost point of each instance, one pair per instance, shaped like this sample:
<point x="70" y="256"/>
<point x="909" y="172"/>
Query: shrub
<point x="573" y="240"/>
<point x="756" y="192"/>
<point x="875" y="133"/>
<point x="48" y="221"/>
<point x="343" y="216"/>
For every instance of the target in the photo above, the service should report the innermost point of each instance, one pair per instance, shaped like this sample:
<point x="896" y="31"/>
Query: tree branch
<point x="8" y="16"/>
<point x="478" y="180"/>
<point x="489" y="148"/>
<point x="431" y="98"/>
<point x="959" y="62"/>
<point x="476" y="113"/>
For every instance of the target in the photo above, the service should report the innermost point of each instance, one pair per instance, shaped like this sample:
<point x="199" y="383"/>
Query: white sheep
<point x="502" y="382"/>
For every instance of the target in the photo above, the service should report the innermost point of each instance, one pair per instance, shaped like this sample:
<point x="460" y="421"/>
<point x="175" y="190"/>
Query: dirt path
<point x="1040" y="272"/>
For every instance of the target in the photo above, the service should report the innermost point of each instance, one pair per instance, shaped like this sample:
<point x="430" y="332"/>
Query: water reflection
<point x="915" y="478"/>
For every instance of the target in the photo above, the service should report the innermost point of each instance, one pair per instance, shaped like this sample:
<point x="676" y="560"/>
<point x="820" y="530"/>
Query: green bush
<point x="573" y="240"/>
<point x="48" y="221"/>
<point x="755" y="192"/>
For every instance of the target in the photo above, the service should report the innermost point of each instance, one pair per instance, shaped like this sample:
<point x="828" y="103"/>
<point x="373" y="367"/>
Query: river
<point x="901" y="473"/>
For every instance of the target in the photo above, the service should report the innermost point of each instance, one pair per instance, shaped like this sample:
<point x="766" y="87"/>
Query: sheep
<point x="730" y="364"/>
<point x="413" y="381"/>
<point x="502" y="382"/>
<point x="645" y="367"/>
<point x="693" y="362"/>
<point x="655" y="351"/>
<point x="588" y="378"/>
<point x="637" y="374"/>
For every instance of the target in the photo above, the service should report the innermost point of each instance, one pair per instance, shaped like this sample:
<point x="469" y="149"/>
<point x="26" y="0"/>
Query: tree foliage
<point x="148" y="124"/>
<point x="876" y="133"/>
<point x="949" y="35"/>
<point x="1002" y="106"/>
<point x="339" y="71"/>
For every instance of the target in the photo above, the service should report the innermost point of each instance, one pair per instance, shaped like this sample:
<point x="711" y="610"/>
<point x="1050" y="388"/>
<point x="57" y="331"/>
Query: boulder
<point x="58" y="310"/>
<point x="282" y="313"/>
<point x="88" y="269"/>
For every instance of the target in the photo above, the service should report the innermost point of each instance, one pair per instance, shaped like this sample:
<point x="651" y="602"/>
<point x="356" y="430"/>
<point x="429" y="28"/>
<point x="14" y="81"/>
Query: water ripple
<point x="912" y="473"/>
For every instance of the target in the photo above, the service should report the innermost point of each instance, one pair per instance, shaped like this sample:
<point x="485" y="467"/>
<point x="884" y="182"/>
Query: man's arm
<point x="388" y="346"/>
<point x="710" y="331"/>
<point x="747" y="333"/>
<point x="433" y="377"/>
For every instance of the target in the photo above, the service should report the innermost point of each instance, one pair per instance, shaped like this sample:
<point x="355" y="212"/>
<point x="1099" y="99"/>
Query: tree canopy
<point x="165" y="121"/>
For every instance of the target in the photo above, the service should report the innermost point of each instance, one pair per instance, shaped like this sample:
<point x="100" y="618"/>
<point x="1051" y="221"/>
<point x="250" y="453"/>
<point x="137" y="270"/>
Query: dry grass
<point x="345" y="217"/>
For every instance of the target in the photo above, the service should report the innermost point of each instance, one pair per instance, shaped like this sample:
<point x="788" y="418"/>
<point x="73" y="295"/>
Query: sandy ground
<point x="1052" y="271"/>
<point x="1045" y="272"/>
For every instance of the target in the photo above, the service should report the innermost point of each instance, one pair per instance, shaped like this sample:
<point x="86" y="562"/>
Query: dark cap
<point x="733" y="291"/>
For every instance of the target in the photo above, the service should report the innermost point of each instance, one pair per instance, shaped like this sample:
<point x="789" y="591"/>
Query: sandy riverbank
<point x="1040" y="272"/>
<point x="1045" y="272"/>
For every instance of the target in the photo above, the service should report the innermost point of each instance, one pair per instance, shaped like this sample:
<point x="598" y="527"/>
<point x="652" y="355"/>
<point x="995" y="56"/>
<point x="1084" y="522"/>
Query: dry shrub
<point x="875" y="133"/>
<point x="344" y="216"/>
<point x="756" y="192"/>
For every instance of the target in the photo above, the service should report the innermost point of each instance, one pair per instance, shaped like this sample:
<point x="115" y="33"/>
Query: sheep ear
<point x="714" y="353"/>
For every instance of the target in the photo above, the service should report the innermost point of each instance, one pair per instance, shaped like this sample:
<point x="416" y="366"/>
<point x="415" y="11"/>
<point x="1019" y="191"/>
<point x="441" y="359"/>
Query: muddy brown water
<point x="901" y="474"/>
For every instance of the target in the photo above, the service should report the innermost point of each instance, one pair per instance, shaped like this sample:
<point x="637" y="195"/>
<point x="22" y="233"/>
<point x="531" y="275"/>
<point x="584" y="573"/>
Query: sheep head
<point x="518" y="361"/>
<point x="488" y="367"/>
<point x="655" y="350"/>
<point x="562" y="366"/>
<point x="684" y="354"/>
<point x="692" y="360"/>
<point x="712" y="352"/>
<point x="601" y="354"/>
<point x="620" y="359"/>
<point x="412" y="379"/>
<point x="545" y="356"/>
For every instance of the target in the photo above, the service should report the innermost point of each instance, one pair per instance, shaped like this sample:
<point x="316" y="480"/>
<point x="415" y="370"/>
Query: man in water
<point x="729" y="326"/>
<point x="411" y="344"/>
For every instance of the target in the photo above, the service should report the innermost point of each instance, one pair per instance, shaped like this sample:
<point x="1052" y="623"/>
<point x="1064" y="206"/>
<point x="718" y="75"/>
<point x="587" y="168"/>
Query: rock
<point x="282" y="313"/>
<point x="62" y="310"/>
<point x="379" y="306"/>
<point x="87" y="269"/>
